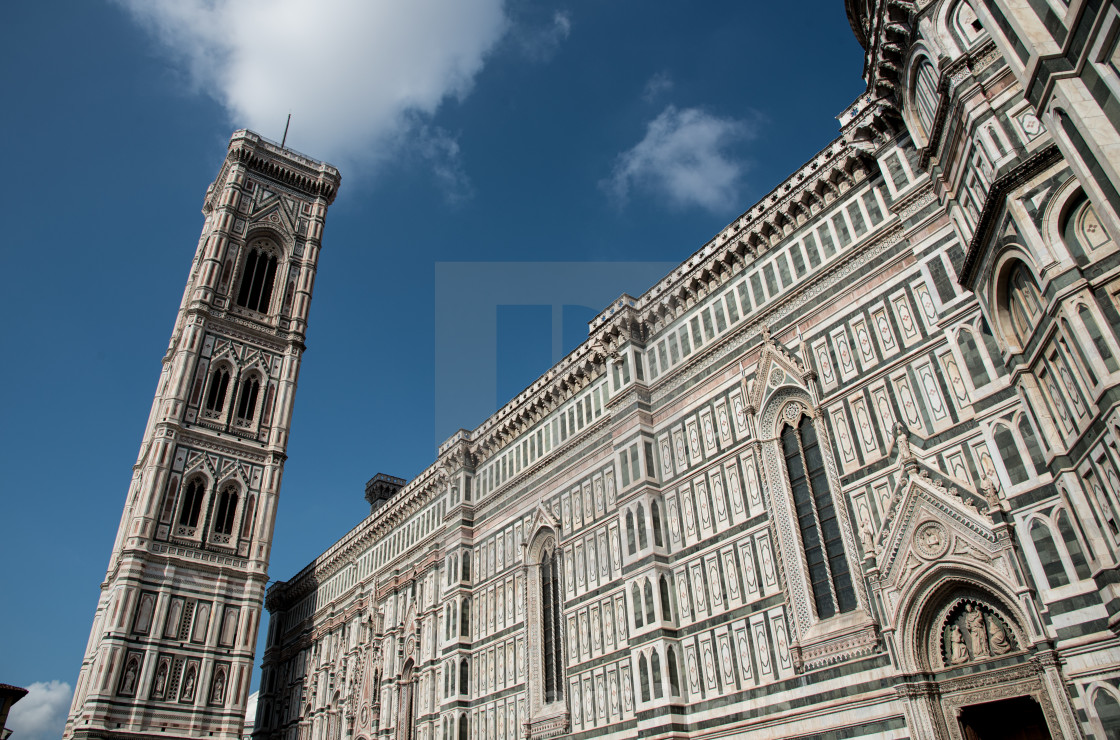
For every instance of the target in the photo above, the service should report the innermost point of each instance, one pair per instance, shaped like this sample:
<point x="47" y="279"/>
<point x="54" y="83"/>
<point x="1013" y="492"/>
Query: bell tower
<point x="171" y="649"/>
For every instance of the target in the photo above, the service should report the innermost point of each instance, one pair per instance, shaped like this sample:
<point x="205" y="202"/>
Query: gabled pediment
<point x="775" y="368"/>
<point x="274" y="215"/>
<point x="932" y="517"/>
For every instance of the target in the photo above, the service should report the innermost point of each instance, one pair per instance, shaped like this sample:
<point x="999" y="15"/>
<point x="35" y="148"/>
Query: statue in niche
<point x="188" y="684"/>
<point x="128" y="685"/>
<point x="977" y="631"/>
<point x="218" y="693"/>
<point x="958" y="653"/>
<point x="997" y="637"/>
<point x="161" y="680"/>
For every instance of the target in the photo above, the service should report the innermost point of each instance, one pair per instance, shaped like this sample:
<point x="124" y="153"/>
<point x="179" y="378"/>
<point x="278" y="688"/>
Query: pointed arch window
<point x="829" y="576"/>
<point x="258" y="276"/>
<point x="247" y="403"/>
<point x="647" y="591"/>
<point x="551" y="576"/>
<point x="674" y="677"/>
<point x="655" y="516"/>
<point x="227" y="508"/>
<point x="631" y="545"/>
<point x="464" y="676"/>
<point x="636" y="596"/>
<point x="219" y="385"/>
<point x="655" y="664"/>
<point x="643" y="674"/>
<point x="666" y="606"/>
<point x="192" y="504"/>
<point x="642" y="541"/>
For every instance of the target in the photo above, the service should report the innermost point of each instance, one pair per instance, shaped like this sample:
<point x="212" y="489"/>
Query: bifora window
<point x="227" y="507"/>
<point x="816" y="518"/>
<point x="219" y="383"/>
<point x="258" y="276"/>
<point x="247" y="404"/>
<point x="192" y="504"/>
<point x="551" y="626"/>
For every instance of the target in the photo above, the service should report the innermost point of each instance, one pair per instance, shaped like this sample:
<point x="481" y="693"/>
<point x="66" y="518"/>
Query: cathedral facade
<point x="849" y="471"/>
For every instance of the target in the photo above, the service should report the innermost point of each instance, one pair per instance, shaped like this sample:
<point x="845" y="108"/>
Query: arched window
<point x="466" y="565"/>
<point x="219" y="384"/>
<point x="247" y="403"/>
<point x="631" y="546"/>
<point x="925" y="94"/>
<point x="674" y="677"/>
<point x="227" y="507"/>
<point x="655" y="516"/>
<point x="643" y="543"/>
<point x="1052" y="567"/>
<point x="464" y="676"/>
<point x="447" y="689"/>
<point x="552" y="630"/>
<point x="643" y="674"/>
<point x="1073" y="546"/>
<point x="647" y="591"/>
<point x="829" y="578"/>
<point x="1024" y="302"/>
<point x="465" y="618"/>
<point x="1082" y="229"/>
<point x="972" y="359"/>
<point x="666" y="604"/>
<point x="464" y="732"/>
<point x="655" y="663"/>
<point x="192" y="504"/>
<point x="1108" y="712"/>
<point x="1009" y="452"/>
<point x="406" y="717"/>
<point x="258" y="276"/>
<point x="636" y="595"/>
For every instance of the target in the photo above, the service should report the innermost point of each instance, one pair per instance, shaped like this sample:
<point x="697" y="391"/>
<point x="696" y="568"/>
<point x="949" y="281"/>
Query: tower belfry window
<point x="192" y="504"/>
<point x="829" y="577"/>
<point x="257" y="278"/>
<point x="247" y="404"/>
<point x="227" y="507"/>
<point x="219" y="384"/>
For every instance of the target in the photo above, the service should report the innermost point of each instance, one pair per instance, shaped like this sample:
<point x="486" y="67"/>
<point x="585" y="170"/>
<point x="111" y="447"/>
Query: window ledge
<point x="836" y="639"/>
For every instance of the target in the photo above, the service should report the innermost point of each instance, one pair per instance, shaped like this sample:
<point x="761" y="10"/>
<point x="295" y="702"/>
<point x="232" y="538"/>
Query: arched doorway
<point x="1018" y="718"/>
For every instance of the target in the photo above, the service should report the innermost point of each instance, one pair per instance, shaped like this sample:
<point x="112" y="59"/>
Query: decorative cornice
<point x="994" y="204"/>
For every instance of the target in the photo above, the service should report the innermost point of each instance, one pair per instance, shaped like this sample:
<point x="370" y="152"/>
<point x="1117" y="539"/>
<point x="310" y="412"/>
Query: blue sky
<point x="467" y="131"/>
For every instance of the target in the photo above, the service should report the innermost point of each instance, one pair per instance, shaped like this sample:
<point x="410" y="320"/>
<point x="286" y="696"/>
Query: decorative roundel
<point x="931" y="540"/>
<point x="410" y="646"/>
<point x="792" y="411"/>
<point x="776" y="377"/>
<point x="363" y="717"/>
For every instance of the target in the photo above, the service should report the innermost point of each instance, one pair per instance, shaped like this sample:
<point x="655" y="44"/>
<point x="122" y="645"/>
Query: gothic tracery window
<point x="258" y="276"/>
<point x="227" y="508"/>
<point x="247" y="403"/>
<point x="829" y="577"/>
<point x="192" y="504"/>
<point x="219" y="384"/>
<point x="552" y="662"/>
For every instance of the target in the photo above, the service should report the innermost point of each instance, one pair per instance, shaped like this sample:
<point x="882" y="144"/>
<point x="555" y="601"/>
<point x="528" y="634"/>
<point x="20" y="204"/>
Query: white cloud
<point x="540" y="43"/>
<point x="41" y="715"/>
<point x="685" y="158"/>
<point x="659" y="83"/>
<point x="357" y="76"/>
<point x="440" y="150"/>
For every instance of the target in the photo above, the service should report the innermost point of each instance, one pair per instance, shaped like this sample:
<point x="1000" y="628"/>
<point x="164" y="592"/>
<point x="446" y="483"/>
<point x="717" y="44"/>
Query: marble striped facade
<point x="936" y="294"/>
